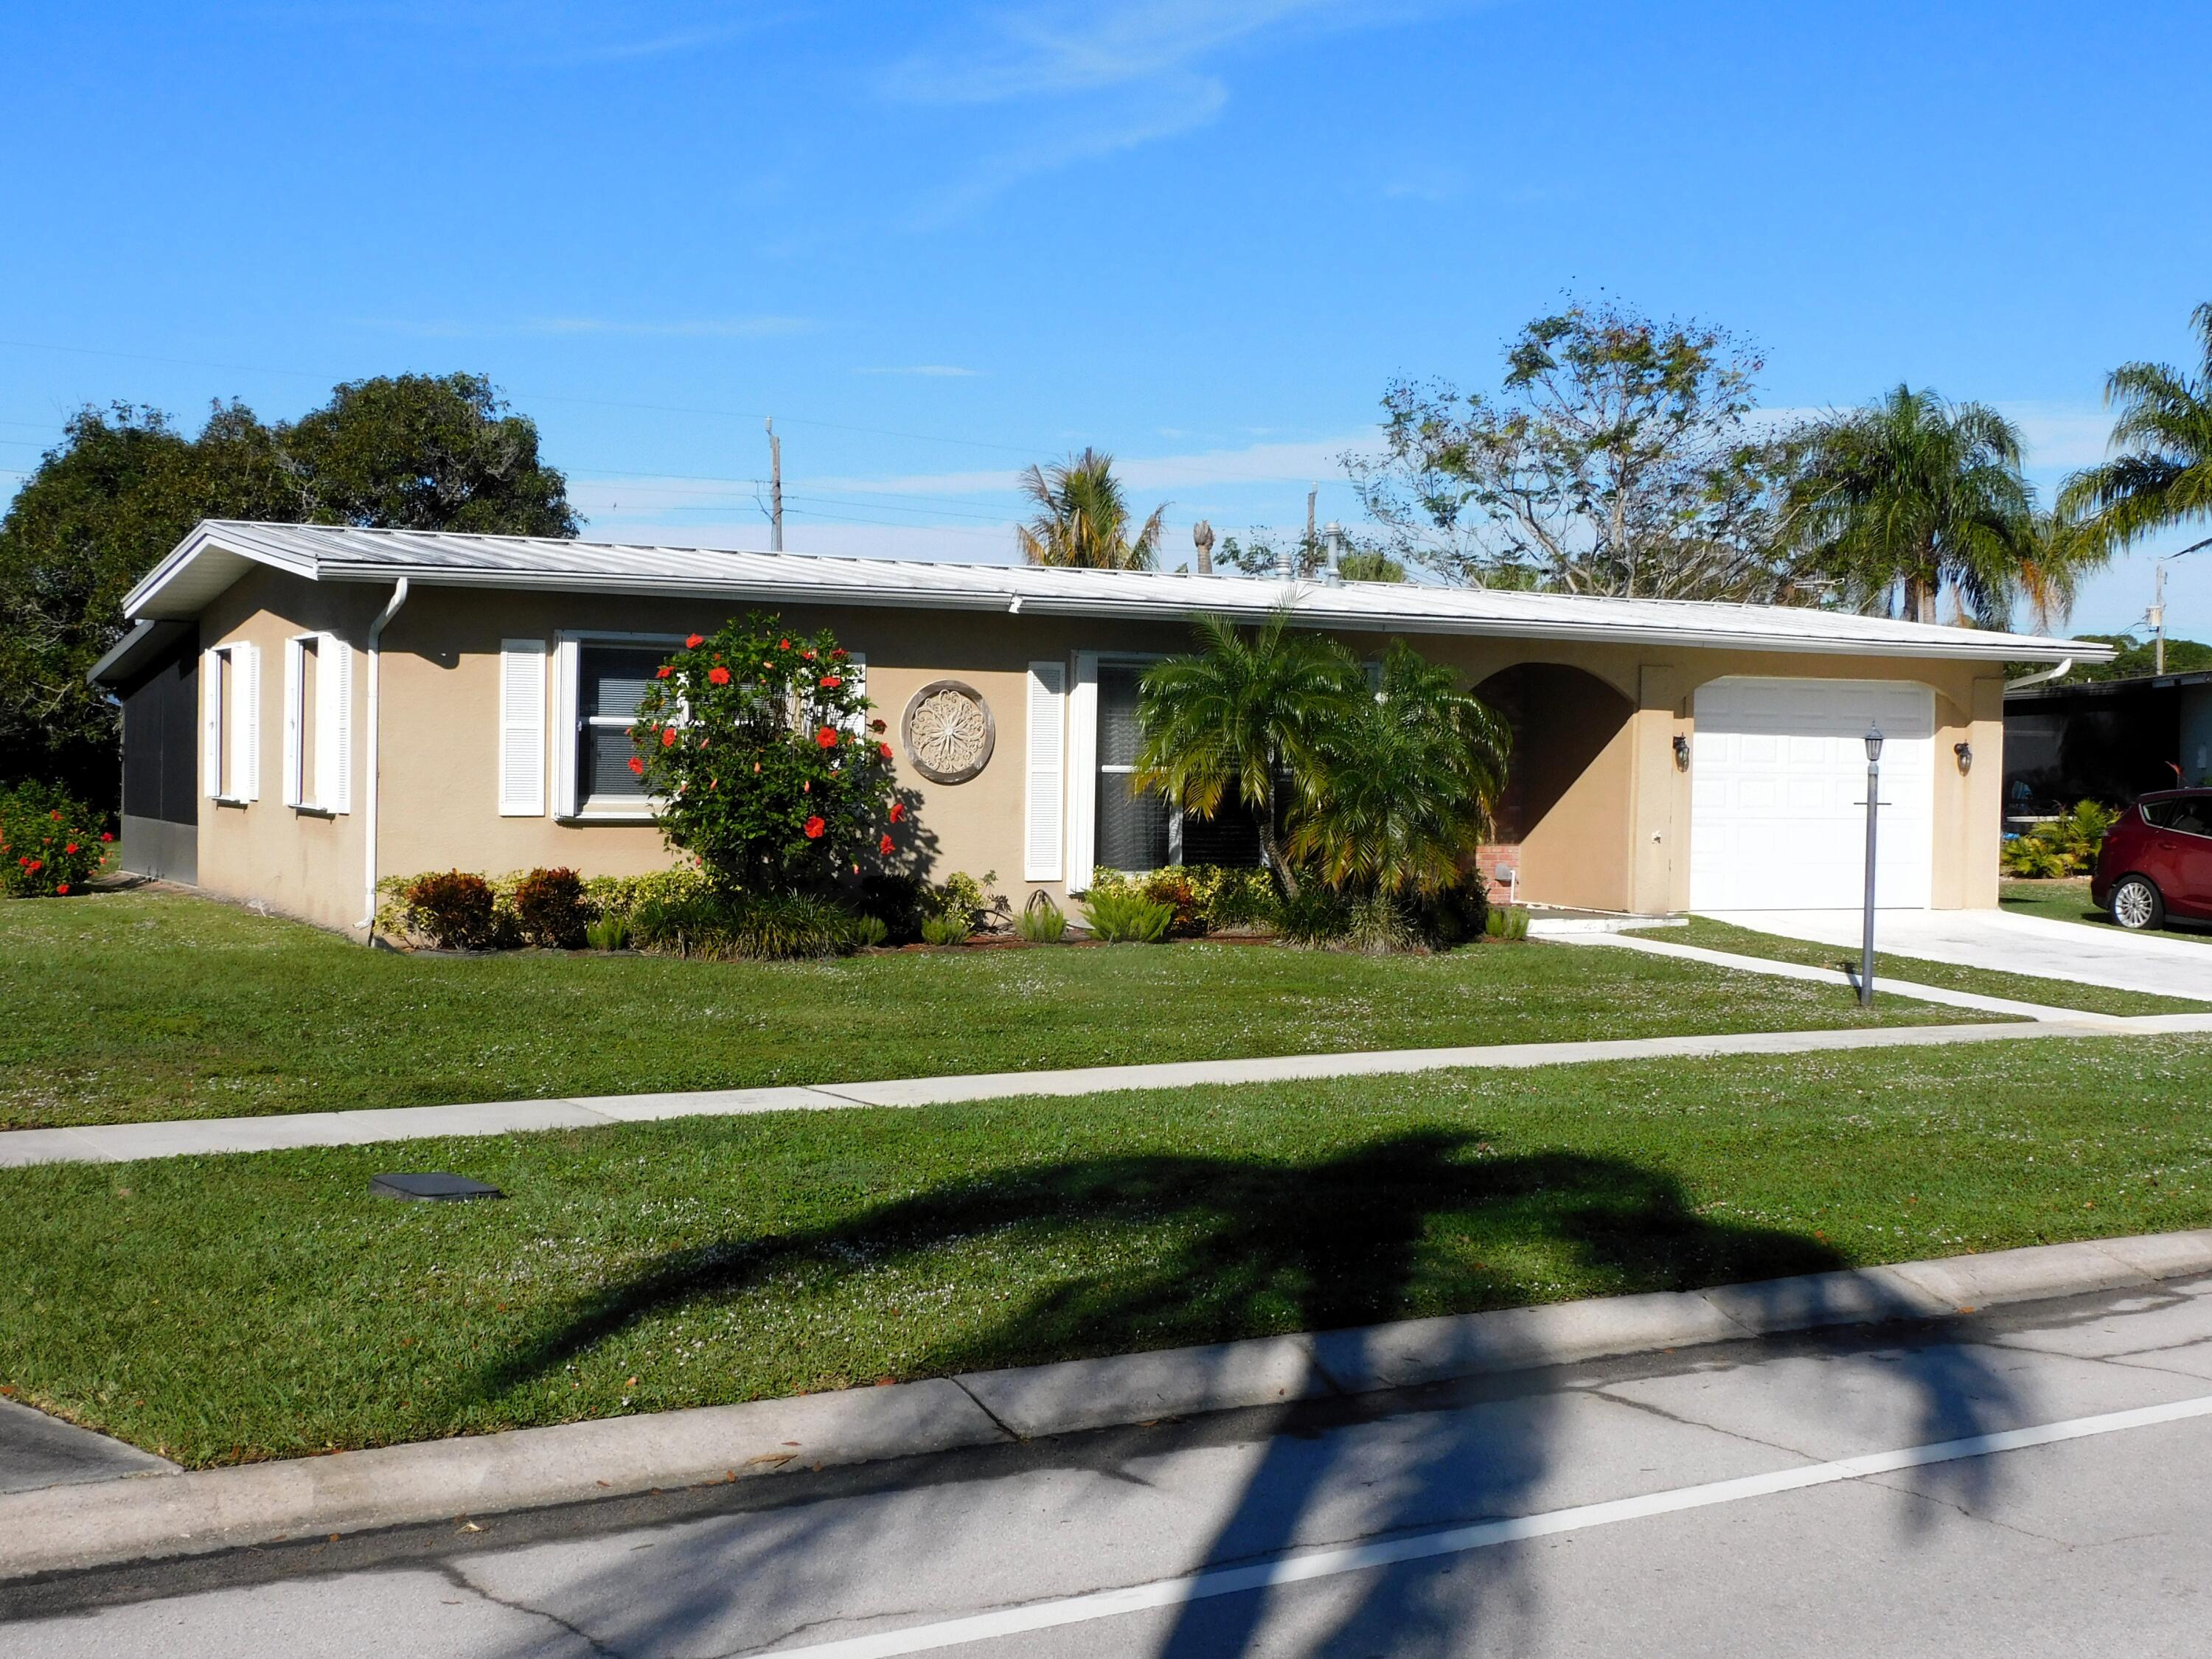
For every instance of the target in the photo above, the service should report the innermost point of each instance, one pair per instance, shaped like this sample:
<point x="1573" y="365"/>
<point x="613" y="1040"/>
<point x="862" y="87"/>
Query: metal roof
<point x="218" y="552"/>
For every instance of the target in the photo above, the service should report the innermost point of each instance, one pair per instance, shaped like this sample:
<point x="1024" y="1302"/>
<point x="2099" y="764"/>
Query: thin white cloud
<point x="2061" y="436"/>
<point x="720" y="328"/>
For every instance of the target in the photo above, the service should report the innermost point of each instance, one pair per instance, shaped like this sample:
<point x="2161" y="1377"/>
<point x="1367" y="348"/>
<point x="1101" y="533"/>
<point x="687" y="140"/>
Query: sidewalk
<point x="65" y="1527"/>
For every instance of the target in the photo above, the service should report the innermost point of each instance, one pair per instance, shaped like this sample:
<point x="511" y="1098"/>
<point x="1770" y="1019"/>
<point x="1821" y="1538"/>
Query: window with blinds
<point x="1132" y="827"/>
<point x="610" y="680"/>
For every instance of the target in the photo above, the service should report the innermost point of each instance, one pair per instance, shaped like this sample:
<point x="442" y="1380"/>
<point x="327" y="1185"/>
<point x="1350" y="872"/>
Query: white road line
<point x="1308" y="1564"/>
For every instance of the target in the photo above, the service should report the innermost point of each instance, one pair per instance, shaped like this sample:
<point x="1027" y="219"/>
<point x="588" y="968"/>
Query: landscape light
<point x="1874" y="742"/>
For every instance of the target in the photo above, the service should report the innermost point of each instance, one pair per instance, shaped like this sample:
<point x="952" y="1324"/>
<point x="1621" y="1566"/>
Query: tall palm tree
<point x="1406" y="786"/>
<point x="2161" y="473"/>
<point x="1913" y="496"/>
<point x="1229" y="720"/>
<point x="1082" y="518"/>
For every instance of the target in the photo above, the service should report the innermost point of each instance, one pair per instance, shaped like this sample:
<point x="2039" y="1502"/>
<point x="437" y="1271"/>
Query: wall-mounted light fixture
<point x="1965" y="752"/>
<point x="1681" y="753"/>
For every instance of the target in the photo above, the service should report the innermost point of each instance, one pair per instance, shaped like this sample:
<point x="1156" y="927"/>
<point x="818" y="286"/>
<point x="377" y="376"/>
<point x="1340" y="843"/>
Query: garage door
<point x="1777" y="771"/>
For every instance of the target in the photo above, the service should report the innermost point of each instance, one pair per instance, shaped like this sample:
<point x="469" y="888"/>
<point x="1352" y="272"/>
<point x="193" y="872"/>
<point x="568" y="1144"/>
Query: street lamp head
<point x="1874" y="744"/>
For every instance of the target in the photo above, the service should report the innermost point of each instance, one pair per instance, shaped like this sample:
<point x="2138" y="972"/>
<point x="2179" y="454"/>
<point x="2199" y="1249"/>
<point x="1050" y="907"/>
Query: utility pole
<point x="775" y="488"/>
<point x="2158" y="620"/>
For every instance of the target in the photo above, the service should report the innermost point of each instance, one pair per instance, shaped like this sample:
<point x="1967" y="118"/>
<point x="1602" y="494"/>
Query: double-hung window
<point x="602" y="680"/>
<point x="318" y="723"/>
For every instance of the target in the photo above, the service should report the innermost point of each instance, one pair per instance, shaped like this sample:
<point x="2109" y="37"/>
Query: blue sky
<point x="938" y="242"/>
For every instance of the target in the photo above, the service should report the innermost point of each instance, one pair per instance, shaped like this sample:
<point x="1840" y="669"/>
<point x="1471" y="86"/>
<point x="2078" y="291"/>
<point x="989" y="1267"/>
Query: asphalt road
<point x="1693" y="1502"/>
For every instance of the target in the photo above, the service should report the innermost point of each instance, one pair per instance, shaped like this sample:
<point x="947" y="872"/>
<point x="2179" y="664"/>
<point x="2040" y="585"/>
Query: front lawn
<point x="219" y="1308"/>
<point x="134" y="1006"/>
<point x="2018" y="987"/>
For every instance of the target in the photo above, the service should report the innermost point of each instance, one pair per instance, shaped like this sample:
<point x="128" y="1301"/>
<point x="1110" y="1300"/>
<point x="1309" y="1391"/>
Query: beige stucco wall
<point x="1622" y="846"/>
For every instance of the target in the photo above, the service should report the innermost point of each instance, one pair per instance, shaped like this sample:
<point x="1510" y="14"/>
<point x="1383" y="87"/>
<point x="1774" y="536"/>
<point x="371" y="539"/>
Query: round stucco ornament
<point x="948" y="732"/>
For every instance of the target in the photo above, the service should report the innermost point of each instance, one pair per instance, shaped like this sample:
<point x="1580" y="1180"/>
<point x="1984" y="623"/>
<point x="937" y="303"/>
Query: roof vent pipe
<point x="1286" y="563"/>
<point x="1332" y="542"/>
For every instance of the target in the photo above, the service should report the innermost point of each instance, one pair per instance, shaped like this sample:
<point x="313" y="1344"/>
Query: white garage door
<point x="1777" y="771"/>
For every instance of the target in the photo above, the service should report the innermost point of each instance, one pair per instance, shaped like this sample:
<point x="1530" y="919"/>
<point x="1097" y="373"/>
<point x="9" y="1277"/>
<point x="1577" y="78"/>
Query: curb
<point x="153" y="1515"/>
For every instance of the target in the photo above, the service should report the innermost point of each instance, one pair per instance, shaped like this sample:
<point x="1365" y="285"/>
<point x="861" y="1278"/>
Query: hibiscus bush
<point x="767" y="764"/>
<point x="50" y="843"/>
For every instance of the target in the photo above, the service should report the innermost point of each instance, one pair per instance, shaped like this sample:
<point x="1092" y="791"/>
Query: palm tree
<point x="1082" y="518"/>
<point x="1406" y="786"/>
<point x="2161" y="473"/>
<point x="1901" y="500"/>
<point x="1229" y="720"/>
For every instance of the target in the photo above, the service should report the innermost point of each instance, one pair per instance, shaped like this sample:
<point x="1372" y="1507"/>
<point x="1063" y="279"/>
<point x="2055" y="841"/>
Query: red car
<point x="2156" y="861"/>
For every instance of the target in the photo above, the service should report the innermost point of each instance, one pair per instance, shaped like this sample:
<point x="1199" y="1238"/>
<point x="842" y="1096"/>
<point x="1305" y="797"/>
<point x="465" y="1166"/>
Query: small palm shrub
<point x="452" y="909"/>
<point x="869" y="931"/>
<point x="1041" y="922"/>
<point x="1120" y="916"/>
<point x="951" y="929"/>
<point x="607" y="932"/>
<point x="2064" y="846"/>
<point x="50" y="843"/>
<point x="549" y="909"/>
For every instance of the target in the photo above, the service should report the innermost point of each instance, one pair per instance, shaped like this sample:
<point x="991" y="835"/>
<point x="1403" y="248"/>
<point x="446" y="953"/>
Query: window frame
<point x="1084" y="767"/>
<point x="569" y="805"/>
<point x="224" y="707"/>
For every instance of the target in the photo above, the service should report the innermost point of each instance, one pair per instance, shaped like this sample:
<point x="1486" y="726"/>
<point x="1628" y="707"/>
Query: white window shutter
<point x="1042" y="853"/>
<point x="855" y="673"/>
<point x="211" y="725"/>
<point x="334" y="724"/>
<point x="522" y="728"/>
<point x="246" y="721"/>
<point x="295" y="691"/>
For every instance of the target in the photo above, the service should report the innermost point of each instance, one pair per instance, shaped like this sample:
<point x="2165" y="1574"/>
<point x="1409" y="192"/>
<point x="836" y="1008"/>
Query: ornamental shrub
<point x="950" y="928"/>
<point x="1219" y="896"/>
<point x="768" y="769"/>
<point x="960" y="897"/>
<point x="550" y="911"/>
<point x="455" y="910"/>
<point x="607" y="932"/>
<point x="870" y="932"/>
<point x="50" y="843"/>
<point x="1508" y="922"/>
<point x="1121" y="915"/>
<point x="1041" y="922"/>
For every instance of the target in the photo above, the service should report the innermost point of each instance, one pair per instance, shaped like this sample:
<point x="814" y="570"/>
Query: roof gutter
<point x="2026" y="680"/>
<point x="370" y="770"/>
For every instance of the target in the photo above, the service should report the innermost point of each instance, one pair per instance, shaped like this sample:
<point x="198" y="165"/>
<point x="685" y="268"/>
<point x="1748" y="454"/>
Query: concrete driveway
<point x="2005" y="943"/>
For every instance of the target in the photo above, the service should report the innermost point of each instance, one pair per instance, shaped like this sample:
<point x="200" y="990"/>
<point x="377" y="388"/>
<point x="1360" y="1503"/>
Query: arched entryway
<point x="1564" y="824"/>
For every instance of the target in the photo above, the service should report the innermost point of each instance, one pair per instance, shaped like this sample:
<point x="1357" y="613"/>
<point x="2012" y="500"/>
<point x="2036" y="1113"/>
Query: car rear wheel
<point x="2136" y="904"/>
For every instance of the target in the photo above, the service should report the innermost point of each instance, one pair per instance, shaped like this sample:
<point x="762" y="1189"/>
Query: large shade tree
<point x="1083" y="517"/>
<point x="1914" y="500"/>
<point x="1240" y="715"/>
<point x="123" y="486"/>
<point x="2160" y="475"/>
<point x="1619" y="457"/>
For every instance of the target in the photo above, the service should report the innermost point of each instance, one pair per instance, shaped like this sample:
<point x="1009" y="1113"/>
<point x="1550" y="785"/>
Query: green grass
<point x="2068" y="900"/>
<point x="221" y="1309"/>
<point x="135" y="1006"/>
<point x="2019" y="987"/>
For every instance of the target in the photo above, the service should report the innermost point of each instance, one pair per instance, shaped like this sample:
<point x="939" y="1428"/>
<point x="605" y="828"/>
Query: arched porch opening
<point x="1564" y="823"/>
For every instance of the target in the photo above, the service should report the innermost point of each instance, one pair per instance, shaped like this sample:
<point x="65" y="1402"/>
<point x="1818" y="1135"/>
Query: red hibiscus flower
<point x="877" y="726"/>
<point x="104" y="835"/>
<point x="831" y="681"/>
<point x="783" y="645"/>
<point x="695" y="641"/>
<point x="718" y="677"/>
<point x="662" y="672"/>
<point x="814" y="829"/>
<point x="71" y="848"/>
<point x="839" y="652"/>
<point x="34" y="865"/>
<point x="637" y="766"/>
<point x="56" y="816"/>
<point x="61" y="887"/>
<point x="668" y="736"/>
<point x="808" y="654"/>
<point x="898" y="811"/>
<point x="884" y="846"/>
<point x="826" y="737"/>
<point x="885" y="749"/>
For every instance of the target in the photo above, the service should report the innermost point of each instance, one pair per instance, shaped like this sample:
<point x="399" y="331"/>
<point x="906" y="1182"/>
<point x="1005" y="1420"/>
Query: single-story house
<point x="2107" y="740"/>
<point x="307" y="710"/>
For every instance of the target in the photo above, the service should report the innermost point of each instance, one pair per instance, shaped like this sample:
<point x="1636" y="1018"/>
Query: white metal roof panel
<point x="218" y="552"/>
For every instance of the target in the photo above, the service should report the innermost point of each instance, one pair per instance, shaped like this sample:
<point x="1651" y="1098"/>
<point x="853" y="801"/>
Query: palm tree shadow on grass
<point x="1396" y="1227"/>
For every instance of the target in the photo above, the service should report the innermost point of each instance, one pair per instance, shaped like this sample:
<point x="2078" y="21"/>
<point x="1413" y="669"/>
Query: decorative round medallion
<point x="948" y="732"/>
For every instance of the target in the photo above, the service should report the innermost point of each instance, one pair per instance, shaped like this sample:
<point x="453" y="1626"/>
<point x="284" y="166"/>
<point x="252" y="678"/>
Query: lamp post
<point x="1873" y="799"/>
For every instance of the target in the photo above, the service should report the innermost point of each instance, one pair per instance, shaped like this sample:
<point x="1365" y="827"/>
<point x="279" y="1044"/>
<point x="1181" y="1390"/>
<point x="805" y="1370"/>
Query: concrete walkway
<point x="2006" y="943"/>
<point x="119" y="1143"/>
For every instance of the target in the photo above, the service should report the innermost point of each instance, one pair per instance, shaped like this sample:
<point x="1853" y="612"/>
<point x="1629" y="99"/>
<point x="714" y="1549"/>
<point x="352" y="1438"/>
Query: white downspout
<point x="368" y="770"/>
<point x="2039" y="678"/>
